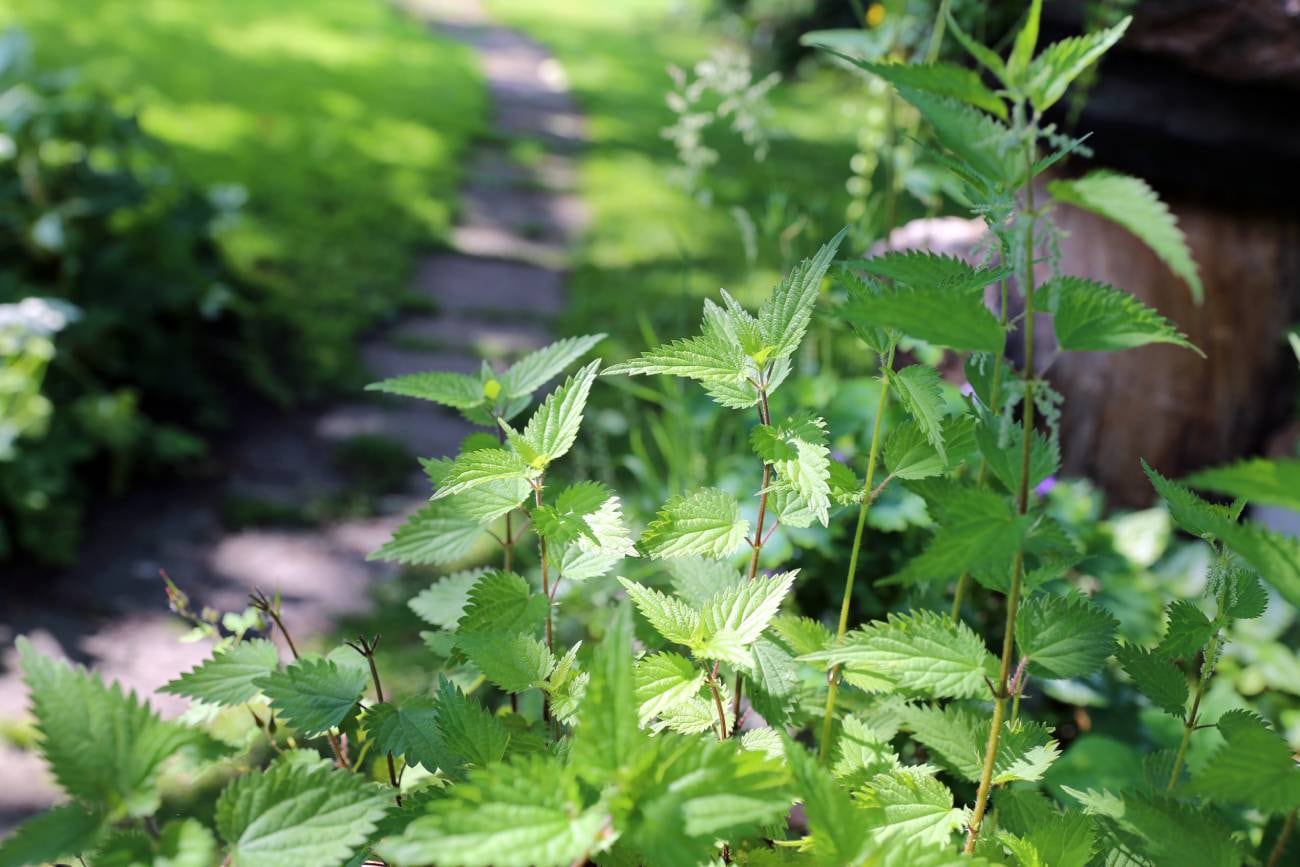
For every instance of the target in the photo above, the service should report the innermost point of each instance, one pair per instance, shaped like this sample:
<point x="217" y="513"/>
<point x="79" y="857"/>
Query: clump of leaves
<point x="686" y="740"/>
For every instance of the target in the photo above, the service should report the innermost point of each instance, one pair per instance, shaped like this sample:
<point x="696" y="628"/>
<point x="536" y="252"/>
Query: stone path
<point x="494" y="293"/>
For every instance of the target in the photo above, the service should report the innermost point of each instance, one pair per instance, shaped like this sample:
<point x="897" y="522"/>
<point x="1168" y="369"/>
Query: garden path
<point x="493" y="293"/>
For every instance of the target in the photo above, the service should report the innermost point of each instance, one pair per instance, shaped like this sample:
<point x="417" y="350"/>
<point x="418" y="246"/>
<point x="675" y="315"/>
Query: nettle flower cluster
<point x="902" y="740"/>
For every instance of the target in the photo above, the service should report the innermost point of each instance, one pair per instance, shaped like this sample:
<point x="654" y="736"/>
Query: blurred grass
<point x="650" y="247"/>
<point x="344" y="121"/>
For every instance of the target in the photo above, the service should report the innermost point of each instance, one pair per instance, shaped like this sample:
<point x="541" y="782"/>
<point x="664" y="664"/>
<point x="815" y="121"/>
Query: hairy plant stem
<point x="367" y="649"/>
<point x="764" y="417"/>
<point x="936" y="35"/>
<point x="1193" y="717"/>
<point x="272" y="610"/>
<point x="833" y="677"/>
<point x="960" y="591"/>
<point x="1022" y="506"/>
<point x="1283" y="837"/>
<point x="546" y="591"/>
<point x="717" y="703"/>
<point x="507" y="544"/>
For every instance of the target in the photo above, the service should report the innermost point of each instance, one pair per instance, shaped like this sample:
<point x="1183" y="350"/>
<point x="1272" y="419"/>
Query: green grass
<point x="650" y="246"/>
<point x="344" y="121"/>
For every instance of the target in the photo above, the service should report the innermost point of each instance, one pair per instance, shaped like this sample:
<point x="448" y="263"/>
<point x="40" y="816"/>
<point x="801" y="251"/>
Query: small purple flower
<point x="1044" y="487"/>
<point x="967" y="389"/>
<point x="840" y="457"/>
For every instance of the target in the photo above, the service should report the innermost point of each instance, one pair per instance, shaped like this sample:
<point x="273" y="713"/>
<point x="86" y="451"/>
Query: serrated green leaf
<point x="1155" y="677"/>
<point x="696" y="580"/>
<point x="910" y="455"/>
<point x="435" y="534"/>
<point x="664" y="680"/>
<point x="1189" y="511"/>
<point x="957" y="739"/>
<point x="466" y="729"/>
<point x="481" y="467"/>
<point x="911" y="805"/>
<point x="607" y="735"/>
<point x="704" y="523"/>
<point x="1175" y="833"/>
<point x="66" y="830"/>
<point x="673" y="619"/>
<point x="313" y="695"/>
<point x="838" y="827"/>
<point x="408" y="729"/>
<point x="553" y="428"/>
<point x="528" y="813"/>
<point x="774" y="683"/>
<point x="103" y="746"/>
<point x="515" y="662"/>
<point x="797" y="449"/>
<point x="1255" y="767"/>
<point x="736" y="617"/>
<point x="538" y="368"/>
<point x="1269" y="482"/>
<point x="1188" y="631"/>
<point x="861" y="753"/>
<point x="922" y="653"/>
<point x="502" y="602"/>
<point x="1094" y="317"/>
<point x="227" y="678"/>
<point x="1130" y="202"/>
<point x="978" y="50"/>
<point x="1244" y="596"/>
<point x="1022" y="49"/>
<point x="455" y="390"/>
<point x="1001" y="443"/>
<point x="975" y="137"/>
<point x="698" y="792"/>
<point x="940" y="79"/>
<point x="296" y="813"/>
<point x="443" y="602"/>
<point x="783" y="319"/>
<point x="924" y="270"/>
<point x="1060" y="63"/>
<point x="957" y="320"/>
<point x="979" y="531"/>
<point x="919" y="391"/>
<point x="1064" y="636"/>
<point x="707" y="358"/>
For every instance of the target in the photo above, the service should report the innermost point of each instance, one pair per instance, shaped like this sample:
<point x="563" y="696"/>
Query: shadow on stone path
<point x="493" y="292"/>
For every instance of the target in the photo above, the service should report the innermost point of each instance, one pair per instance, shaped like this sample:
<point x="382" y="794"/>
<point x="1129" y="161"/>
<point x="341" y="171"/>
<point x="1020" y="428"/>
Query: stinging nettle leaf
<point x="972" y="135"/>
<point x="443" y="603"/>
<point x="314" y="695"/>
<point x="538" y="368"/>
<point x="912" y="805"/>
<point x="736" y="617"/>
<point x="664" y="680"/>
<point x="481" y="467"/>
<point x="921" y="394"/>
<point x="1094" y="317"/>
<point x="784" y="316"/>
<point x="553" y="428"/>
<point x="297" y="813"/>
<point x="673" y="619"/>
<point x="924" y="270"/>
<point x="1060" y="63"/>
<point x="435" y="534"/>
<point x="1269" y="482"/>
<point x="1155" y="677"/>
<point x="1255" y="766"/>
<point x="704" y="523"/>
<point x="957" y="320"/>
<point x="1064" y="636"/>
<point x="1188" y="631"/>
<point x="1130" y="202"/>
<point x="65" y="830"/>
<point x="797" y="449"/>
<point x="940" y="79"/>
<point x="456" y="390"/>
<point x="228" y="677"/>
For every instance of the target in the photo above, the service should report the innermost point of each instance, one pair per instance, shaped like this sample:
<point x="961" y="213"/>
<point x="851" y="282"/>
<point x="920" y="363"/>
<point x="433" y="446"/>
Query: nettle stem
<point x="367" y="650"/>
<point x="868" y="495"/>
<point x="764" y="417"/>
<point x="1283" y="837"/>
<point x="1202" y="681"/>
<point x="1022" y="506"/>
<point x="959" y="592"/>
<point x="717" y="703"/>
<point x="271" y="608"/>
<point x="546" y="591"/>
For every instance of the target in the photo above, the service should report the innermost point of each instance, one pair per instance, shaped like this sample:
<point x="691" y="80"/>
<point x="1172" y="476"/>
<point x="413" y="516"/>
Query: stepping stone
<point x="460" y="284"/>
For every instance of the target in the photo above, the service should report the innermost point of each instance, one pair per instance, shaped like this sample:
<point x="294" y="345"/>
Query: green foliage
<point x="1052" y="71"/>
<point x="1130" y="202"/>
<point x="554" y="736"/>
<point x="104" y="747"/>
<point x="229" y="677"/>
<point x="706" y="523"/>
<point x="1269" y="482"/>
<point x="1092" y="316"/>
<point x="299" y="811"/>
<point x="67" y="830"/>
<point x="314" y="695"/>
<point x="1065" y="636"/>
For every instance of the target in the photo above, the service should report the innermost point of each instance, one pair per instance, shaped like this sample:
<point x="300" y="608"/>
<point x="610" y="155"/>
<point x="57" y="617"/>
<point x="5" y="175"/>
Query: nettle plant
<point x="692" y="740"/>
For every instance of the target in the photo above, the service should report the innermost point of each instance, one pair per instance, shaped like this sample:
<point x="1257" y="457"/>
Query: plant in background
<point x="94" y="219"/>
<point x="691" y="745"/>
